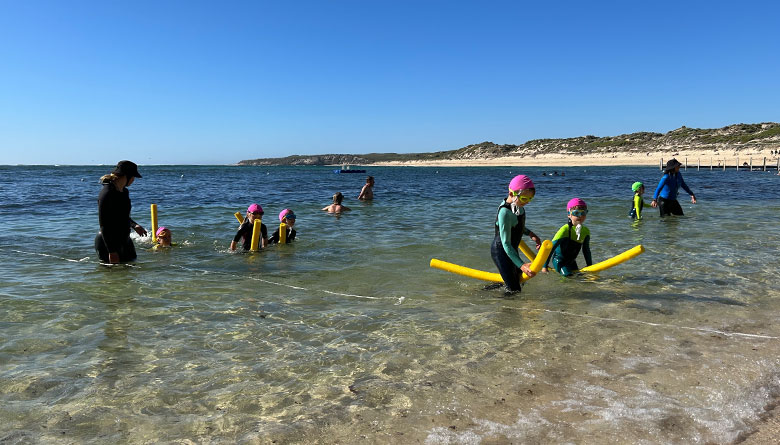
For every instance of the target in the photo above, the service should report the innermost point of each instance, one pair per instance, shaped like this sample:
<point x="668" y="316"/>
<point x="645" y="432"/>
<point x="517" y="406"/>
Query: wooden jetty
<point x="723" y="164"/>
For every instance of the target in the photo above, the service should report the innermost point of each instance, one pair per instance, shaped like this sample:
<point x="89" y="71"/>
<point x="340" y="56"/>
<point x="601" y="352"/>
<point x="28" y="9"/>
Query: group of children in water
<point x="286" y="219"/>
<point x="573" y="237"/>
<point x="113" y="243"/>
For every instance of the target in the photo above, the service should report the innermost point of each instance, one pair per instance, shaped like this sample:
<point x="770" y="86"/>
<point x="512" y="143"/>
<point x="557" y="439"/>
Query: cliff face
<point x="733" y="137"/>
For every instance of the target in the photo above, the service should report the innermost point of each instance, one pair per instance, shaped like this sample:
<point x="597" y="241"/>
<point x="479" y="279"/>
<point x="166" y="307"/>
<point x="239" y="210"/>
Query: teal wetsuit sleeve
<point x="557" y="240"/>
<point x="586" y="251"/>
<point x="661" y="184"/>
<point x="506" y="220"/>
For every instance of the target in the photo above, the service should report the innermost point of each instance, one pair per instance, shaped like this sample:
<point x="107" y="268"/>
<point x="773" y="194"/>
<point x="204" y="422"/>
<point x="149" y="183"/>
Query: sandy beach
<point x="690" y="158"/>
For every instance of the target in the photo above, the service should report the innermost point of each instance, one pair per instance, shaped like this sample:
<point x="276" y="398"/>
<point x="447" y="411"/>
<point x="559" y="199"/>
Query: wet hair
<point x="338" y="197"/>
<point x="369" y="179"/>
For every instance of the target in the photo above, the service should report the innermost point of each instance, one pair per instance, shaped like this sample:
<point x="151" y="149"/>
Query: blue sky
<point x="195" y="82"/>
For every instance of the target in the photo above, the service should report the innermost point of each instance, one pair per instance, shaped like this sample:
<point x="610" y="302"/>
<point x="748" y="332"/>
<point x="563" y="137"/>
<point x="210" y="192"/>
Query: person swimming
<point x="336" y="207"/>
<point x="164" y="237"/>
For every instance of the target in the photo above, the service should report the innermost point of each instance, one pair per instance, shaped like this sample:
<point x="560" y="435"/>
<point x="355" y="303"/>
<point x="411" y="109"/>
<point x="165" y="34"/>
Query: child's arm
<point x="504" y="224"/>
<point x="586" y="251"/>
<point x="532" y="235"/>
<point x="239" y="234"/>
<point x="264" y="236"/>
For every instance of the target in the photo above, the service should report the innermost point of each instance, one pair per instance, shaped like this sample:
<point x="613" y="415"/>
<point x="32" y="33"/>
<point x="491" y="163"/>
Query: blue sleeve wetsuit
<point x="666" y="193"/>
<point x="566" y="247"/>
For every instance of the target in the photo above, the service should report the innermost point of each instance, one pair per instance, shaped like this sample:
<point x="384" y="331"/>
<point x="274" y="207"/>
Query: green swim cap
<point x="635" y="186"/>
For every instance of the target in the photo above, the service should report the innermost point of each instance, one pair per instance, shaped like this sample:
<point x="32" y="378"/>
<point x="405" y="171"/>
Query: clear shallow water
<point x="348" y="336"/>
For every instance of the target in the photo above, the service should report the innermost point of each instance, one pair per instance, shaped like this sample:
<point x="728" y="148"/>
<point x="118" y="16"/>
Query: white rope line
<point x="83" y="260"/>
<point x="290" y="286"/>
<point x="401" y="299"/>
<point x="649" y="323"/>
<point x="279" y="284"/>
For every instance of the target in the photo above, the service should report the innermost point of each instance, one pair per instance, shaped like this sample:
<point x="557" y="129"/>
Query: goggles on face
<point x="578" y="212"/>
<point x="521" y="198"/>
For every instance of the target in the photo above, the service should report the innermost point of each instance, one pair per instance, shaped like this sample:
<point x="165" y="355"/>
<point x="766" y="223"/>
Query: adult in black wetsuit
<point x="113" y="243"/>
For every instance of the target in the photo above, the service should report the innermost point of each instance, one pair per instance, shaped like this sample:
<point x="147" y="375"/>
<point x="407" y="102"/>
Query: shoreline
<point x="646" y="159"/>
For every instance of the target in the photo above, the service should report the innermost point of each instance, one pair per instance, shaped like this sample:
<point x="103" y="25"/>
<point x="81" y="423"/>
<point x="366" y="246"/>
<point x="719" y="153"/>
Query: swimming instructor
<point x="113" y="243"/>
<point x="665" y="196"/>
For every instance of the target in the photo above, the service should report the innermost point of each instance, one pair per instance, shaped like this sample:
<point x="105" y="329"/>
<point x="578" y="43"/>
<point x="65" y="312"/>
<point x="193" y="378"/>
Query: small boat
<point x="347" y="169"/>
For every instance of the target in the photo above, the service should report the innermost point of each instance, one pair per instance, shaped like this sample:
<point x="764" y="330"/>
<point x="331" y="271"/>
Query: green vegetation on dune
<point x="737" y="137"/>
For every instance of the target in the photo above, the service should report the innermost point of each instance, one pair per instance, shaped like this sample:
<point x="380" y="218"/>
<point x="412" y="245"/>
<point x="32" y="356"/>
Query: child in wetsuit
<point x="638" y="203"/>
<point x="509" y="229"/>
<point x="570" y="239"/>
<point x="287" y="217"/>
<point x="245" y="229"/>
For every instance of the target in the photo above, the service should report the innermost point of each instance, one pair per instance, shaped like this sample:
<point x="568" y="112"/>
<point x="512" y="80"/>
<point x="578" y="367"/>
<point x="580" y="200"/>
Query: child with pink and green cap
<point x="571" y="238"/>
<point x="509" y="229"/>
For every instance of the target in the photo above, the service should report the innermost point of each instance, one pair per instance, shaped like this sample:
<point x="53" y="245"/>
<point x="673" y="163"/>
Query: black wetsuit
<point x="275" y="236"/>
<point x="115" y="223"/>
<point x="508" y="270"/>
<point x="245" y="231"/>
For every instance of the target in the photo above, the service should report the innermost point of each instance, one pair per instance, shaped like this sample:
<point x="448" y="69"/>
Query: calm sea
<point x="347" y="336"/>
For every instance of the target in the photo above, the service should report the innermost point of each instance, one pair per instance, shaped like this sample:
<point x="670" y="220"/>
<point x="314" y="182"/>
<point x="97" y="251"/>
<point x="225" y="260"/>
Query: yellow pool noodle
<point x="154" y="223"/>
<point x="282" y="233"/>
<point x="539" y="260"/>
<point x="256" y="231"/>
<point x="526" y="250"/>
<point x="239" y="217"/>
<point x="615" y="260"/>
<point x="536" y="266"/>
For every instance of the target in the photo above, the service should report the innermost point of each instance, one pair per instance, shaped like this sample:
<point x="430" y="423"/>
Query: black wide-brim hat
<point x="127" y="169"/>
<point x="671" y="164"/>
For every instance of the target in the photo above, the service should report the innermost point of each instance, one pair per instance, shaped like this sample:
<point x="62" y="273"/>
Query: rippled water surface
<point x="347" y="336"/>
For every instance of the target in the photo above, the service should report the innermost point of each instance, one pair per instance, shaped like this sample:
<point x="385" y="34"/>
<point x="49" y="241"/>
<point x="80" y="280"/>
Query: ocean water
<point x="348" y="336"/>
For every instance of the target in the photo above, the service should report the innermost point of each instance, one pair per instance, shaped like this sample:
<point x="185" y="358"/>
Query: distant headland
<point x="644" y="148"/>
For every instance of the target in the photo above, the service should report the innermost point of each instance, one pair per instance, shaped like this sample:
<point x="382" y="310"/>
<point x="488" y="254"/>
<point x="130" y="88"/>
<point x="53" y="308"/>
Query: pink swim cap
<point x="576" y="202"/>
<point x="286" y="213"/>
<point x="254" y="208"/>
<point x="160" y="230"/>
<point x="521" y="182"/>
